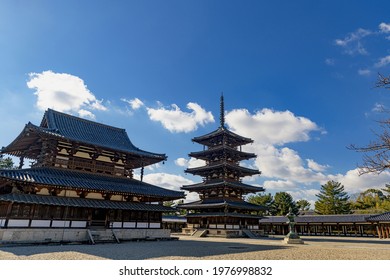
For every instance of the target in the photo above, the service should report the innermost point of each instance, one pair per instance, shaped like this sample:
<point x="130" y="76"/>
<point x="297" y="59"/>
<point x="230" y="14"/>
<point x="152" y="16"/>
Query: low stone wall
<point x="47" y="235"/>
<point x="51" y="235"/>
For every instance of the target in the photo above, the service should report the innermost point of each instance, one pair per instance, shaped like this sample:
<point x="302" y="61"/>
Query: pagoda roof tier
<point x="71" y="129"/>
<point x="222" y="183"/>
<point x="229" y="151"/>
<point x="222" y="214"/>
<point x="207" y="169"/>
<point x="231" y="138"/>
<point x="82" y="202"/>
<point x="221" y="203"/>
<point x="86" y="181"/>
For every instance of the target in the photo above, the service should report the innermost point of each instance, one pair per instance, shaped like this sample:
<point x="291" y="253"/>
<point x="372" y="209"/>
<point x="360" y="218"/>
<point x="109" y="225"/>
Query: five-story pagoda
<point x="221" y="209"/>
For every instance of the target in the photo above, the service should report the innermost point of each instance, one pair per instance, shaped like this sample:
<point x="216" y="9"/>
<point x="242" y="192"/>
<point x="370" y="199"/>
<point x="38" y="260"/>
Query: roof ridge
<point x="52" y="111"/>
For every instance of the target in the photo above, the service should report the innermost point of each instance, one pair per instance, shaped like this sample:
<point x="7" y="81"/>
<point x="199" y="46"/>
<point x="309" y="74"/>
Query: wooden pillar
<point x="31" y="216"/>
<point x="9" y="209"/>
<point x="382" y="231"/>
<point x="378" y="231"/>
<point x="386" y="228"/>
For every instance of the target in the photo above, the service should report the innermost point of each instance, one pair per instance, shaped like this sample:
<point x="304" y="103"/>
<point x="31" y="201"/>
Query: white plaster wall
<point x="116" y="197"/>
<point x="18" y="223"/>
<point x="94" y="196"/>
<point x="116" y="225"/>
<point x="79" y="224"/>
<point x="129" y="225"/>
<point x="60" y="224"/>
<point x="43" y="191"/>
<point x="40" y="223"/>
<point x="154" y="225"/>
<point x="142" y="225"/>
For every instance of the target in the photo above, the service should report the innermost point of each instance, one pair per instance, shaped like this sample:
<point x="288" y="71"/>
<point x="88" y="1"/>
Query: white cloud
<point x="175" y="120"/>
<point x="279" y="185"/>
<point x="63" y="92"/>
<point x="316" y="166"/>
<point x="181" y="162"/>
<point x="191" y="163"/>
<point x="167" y="181"/>
<point x="171" y="182"/>
<point x="330" y="61"/>
<point x="384" y="27"/>
<point x="383" y="61"/>
<point x="135" y="103"/>
<point x="353" y="183"/>
<point x="268" y="127"/>
<point x="352" y="42"/>
<point x="86" y="114"/>
<point x="153" y="166"/>
<point x="285" y="164"/>
<point x="378" y="108"/>
<point x="364" y="72"/>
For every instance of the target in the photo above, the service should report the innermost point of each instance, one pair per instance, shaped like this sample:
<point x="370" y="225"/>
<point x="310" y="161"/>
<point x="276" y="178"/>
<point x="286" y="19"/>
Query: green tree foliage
<point x="283" y="202"/>
<point x="175" y="210"/>
<point x="6" y="163"/>
<point x="385" y="205"/>
<point x="332" y="199"/>
<point x="373" y="201"/>
<point x="369" y="199"/>
<point x="303" y="205"/>
<point x="264" y="200"/>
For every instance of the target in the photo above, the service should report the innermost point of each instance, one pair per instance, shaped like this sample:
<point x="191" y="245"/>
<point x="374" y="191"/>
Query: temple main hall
<point x="79" y="186"/>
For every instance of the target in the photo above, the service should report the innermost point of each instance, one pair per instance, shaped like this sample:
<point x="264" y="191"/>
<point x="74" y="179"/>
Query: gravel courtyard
<point x="190" y="248"/>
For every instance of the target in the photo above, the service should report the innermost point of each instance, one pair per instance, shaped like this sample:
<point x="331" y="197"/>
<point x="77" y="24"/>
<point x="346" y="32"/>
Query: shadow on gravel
<point x="143" y="250"/>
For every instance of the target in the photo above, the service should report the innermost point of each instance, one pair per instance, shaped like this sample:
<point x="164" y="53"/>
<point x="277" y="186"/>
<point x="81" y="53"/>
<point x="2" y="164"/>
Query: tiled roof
<point x="318" y="219"/>
<point x="85" y="131"/>
<point x="217" y="183"/>
<point x="222" y="131"/>
<point x="237" y="154"/>
<point x="70" y="179"/>
<point x="220" y="203"/>
<point x="380" y="217"/>
<point x="73" y="129"/>
<point x="203" y="170"/>
<point x="81" y="202"/>
<point x="222" y="214"/>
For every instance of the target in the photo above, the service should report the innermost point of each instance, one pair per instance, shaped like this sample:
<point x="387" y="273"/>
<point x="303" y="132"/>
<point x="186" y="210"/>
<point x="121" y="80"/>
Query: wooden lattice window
<point x="3" y="210"/>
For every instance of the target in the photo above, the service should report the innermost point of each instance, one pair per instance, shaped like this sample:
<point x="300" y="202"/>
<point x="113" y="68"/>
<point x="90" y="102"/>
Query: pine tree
<point x="303" y="205"/>
<point x="6" y="163"/>
<point x="265" y="200"/>
<point x="332" y="199"/>
<point x="283" y="202"/>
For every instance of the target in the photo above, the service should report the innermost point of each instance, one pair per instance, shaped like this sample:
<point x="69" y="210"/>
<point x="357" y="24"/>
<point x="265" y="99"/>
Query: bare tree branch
<point x="376" y="158"/>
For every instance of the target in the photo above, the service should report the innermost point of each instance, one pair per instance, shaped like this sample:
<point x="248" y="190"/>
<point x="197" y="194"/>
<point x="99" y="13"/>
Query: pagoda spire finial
<point x="222" y="112"/>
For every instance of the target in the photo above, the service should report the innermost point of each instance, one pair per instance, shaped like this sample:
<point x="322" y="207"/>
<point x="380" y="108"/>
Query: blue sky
<point x="298" y="77"/>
